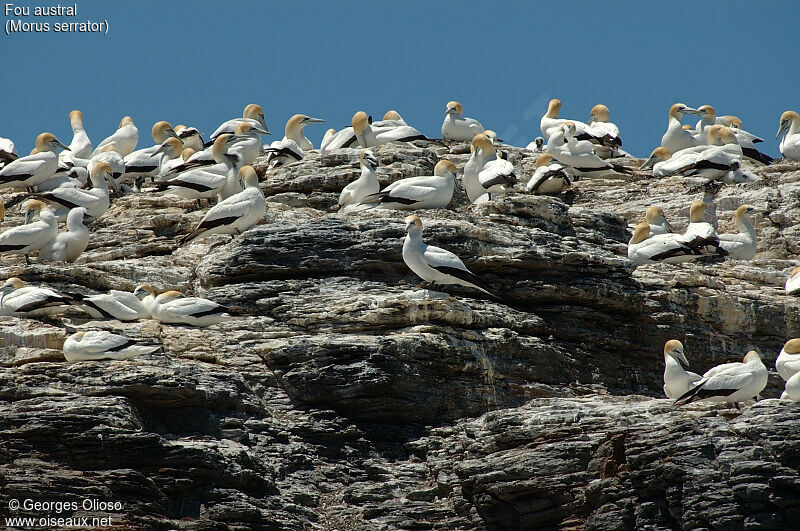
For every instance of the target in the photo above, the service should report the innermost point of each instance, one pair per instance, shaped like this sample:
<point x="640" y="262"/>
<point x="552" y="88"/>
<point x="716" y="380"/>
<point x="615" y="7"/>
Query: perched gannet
<point x="171" y="149"/>
<point x="102" y="344"/>
<point x="190" y="137"/>
<point x="366" y="185"/>
<point x="8" y="151"/>
<point x="662" y="162"/>
<point x="125" y="138"/>
<point x="235" y="214"/>
<point x="168" y="165"/>
<point x="434" y="264"/>
<point x="655" y="218"/>
<point x="576" y="154"/>
<point x="30" y="237"/>
<point x="702" y="233"/>
<point x="32" y="170"/>
<point x="246" y="143"/>
<point x="95" y="200"/>
<point x="252" y="114"/>
<point x="294" y="142"/>
<point x="600" y="126"/>
<point x="295" y="130"/>
<point x="18" y="299"/>
<point x="550" y="122"/>
<point x="741" y="246"/>
<point x="677" y="138"/>
<point x="788" y="362"/>
<point x="789" y="128"/>
<point x="368" y="136"/>
<point x="537" y="146"/>
<point x="730" y="382"/>
<point x="719" y="159"/>
<point x="146" y="294"/>
<point x="457" y="128"/>
<point x="677" y="380"/>
<point x="412" y="193"/>
<point x="497" y="176"/>
<point x="205" y="181"/>
<point x="121" y="305"/>
<point x="67" y="246"/>
<point x="81" y="146"/>
<point x="482" y="153"/>
<point x="549" y="176"/>
<point x="110" y="155"/>
<point x="330" y="134"/>
<point x="147" y="161"/>
<point x="174" y="307"/>
<point x="391" y="118"/>
<point x="669" y="248"/>
<point x="793" y="282"/>
<point x="792" y="389"/>
<point x="745" y="140"/>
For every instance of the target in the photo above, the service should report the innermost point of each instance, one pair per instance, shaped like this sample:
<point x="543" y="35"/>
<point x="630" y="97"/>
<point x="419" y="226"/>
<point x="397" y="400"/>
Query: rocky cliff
<point x="349" y="396"/>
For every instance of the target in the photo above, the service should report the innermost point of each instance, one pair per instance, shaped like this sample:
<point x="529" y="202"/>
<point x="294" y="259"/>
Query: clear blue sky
<point x="199" y="63"/>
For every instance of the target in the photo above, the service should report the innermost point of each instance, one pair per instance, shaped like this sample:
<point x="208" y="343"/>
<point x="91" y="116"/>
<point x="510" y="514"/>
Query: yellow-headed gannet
<point x="190" y="137"/>
<point x="253" y="114"/>
<point x="67" y="246"/>
<point x="550" y="122"/>
<point x="677" y="380"/>
<point x="32" y="170"/>
<point x="147" y="161"/>
<point x="655" y="218"/>
<point x="412" y="193"/>
<point x="457" y="128"/>
<point x="793" y="282"/>
<point x="18" y="299"/>
<point x="434" y="264"/>
<point x="669" y="248"/>
<point x="146" y="294"/>
<point x="730" y="382"/>
<point x="327" y="138"/>
<point x="95" y="200"/>
<point x="789" y="128"/>
<point x="174" y="307"/>
<point x="125" y="138"/>
<point x="743" y="138"/>
<point x="168" y="165"/>
<point x="121" y="305"/>
<point x="482" y="153"/>
<point x="102" y="344"/>
<point x="246" y="143"/>
<point x="788" y="362"/>
<point x="700" y="233"/>
<point x="741" y="246"/>
<point x="677" y="138"/>
<point x="81" y="146"/>
<point x="366" y="185"/>
<point x="600" y="126"/>
<point x="391" y="118"/>
<point x="719" y="159"/>
<point x="577" y="154"/>
<point x="291" y="148"/>
<point x="549" y="176"/>
<point x="30" y="237"/>
<point x="110" y="155"/>
<point x="368" y="136"/>
<point x="235" y="214"/>
<point x="205" y="181"/>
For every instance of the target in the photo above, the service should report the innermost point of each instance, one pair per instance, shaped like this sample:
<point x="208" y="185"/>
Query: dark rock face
<point x="348" y="396"/>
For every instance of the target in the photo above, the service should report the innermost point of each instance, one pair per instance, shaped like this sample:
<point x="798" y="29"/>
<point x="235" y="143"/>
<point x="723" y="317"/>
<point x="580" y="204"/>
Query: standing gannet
<point x="655" y="218"/>
<point x="102" y="344"/>
<point x="391" y="118"/>
<point x="549" y="177"/>
<point x="412" y="193"/>
<point x="291" y="148"/>
<point x="457" y="128"/>
<point x="125" y="138"/>
<point x="295" y="130"/>
<point x="67" y="246"/>
<point x="788" y="362"/>
<point x="30" y="237"/>
<point x="577" y="154"/>
<point x="235" y="214"/>
<point x="497" y="176"/>
<point x="145" y="162"/>
<point x="366" y="185"/>
<point x="743" y="139"/>
<point x="741" y="246"/>
<point x="700" y="233"/>
<point x="669" y="248"/>
<point x="252" y="114"/>
<point x="789" y="128"/>
<point x="18" y="299"/>
<point x="30" y="171"/>
<point x="677" y="138"/>
<point x="246" y="143"/>
<point x="205" y="181"/>
<point x="95" y="200"/>
<point x="677" y="380"/>
<point x="550" y="122"/>
<point x="81" y="146"/>
<point x="600" y="126"/>
<point x="482" y="153"/>
<point x="121" y="305"/>
<point x="730" y="382"/>
<point x="174" y="307"/>
<point x="190" y="137"/>
<point x="368" y="136"/>
<point x="434" y="264"/>
<point x="793" y="282"/>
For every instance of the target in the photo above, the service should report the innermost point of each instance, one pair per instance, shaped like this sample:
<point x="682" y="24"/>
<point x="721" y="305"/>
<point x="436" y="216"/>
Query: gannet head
<point x="679" y="109"/>
<point x="553" y="108"/>
<point x="359" y="122"/>
<point x="569" y="128"/>
<point x="220" y="146"/>
<point x="101" y="170"/>
<point x="730" y="121"/>
<point x="48" y="142"/>
<point x="752" y="356"/>
<point x="696" y="212"/>
<point x="392" y="115"/>
<point x="368" y="159"/>
<point x="674" y="348"/>
<point x="168" y="296"/>
<point x="33" y="207"/>
<point x="482" y="142"/>
<point x="444" y="168"/>
<point x="76" y="119"/>
<point x="641" y="233"/>
<point x="659" y="154"/>
<point x="76" y="214"/>
<point x="187" y="153"/>
<point x="413" y="223"/>
<point x="172" y="146"/>
<point x="793" y="345"/>
<point x="126" y="120"/>
<point x="786" y="121"/>
<point x="254" y="112"/>
<point x="599" y="114"/>
<point x="296" y="123"/>
<point x="11" y="284"/>
<point x="543" y="160"/>
<point x="713" y="137"/>
<point x="725" y="135"/>
<point x="795" y="271"/>
<point x="654" y="214"/>
<point x="248" y="176"/>
<point x="707" y="111"/>
<point x="453" y="107"/>
<point x="247" y="129"/>
<point x="161" y="131"/>
<point x="687" y="127"/>
<point x="742" y="212"/>
<point x="143" y="290"/>
<point x="492" y="136"/>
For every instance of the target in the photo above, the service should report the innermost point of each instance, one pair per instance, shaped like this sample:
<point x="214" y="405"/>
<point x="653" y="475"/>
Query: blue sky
<point x="199" y="62"/>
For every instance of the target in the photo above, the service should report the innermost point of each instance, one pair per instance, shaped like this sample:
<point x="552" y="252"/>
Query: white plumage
<point x="173" y="307"/>
<point x="101" y="344"/>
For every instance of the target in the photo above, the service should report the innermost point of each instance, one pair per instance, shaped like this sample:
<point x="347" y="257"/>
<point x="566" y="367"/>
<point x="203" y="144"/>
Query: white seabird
<point x="457" y="128"/>
<point x="368" y="136"/>
<point x="30" y="237"/>
<point x="537" y="146"/>
<point x="246" y="143"/>
<point x="701" y="233"/>
<point x="253" y="114"/>
<point x="550" y="122"/>
<point x="18" y="299"/>
<point x="744" y="139"/>
<point x="146" y="294"/>
<point x="190" y="137"/>
<point x="788" y="361"/>
<point x="669" y="248"/>
<point x="664" y="163"/>
<point x="294" y="143"/>
<point x="434" y="264"/>
<point x="600" y="126"/>
<point x="482" y="153"/>
<point x="147" y="161"/>
<point x="719" y="159"/>
<point x="676" y="137"/>
<point x="328" y="137"/>
<point x="366" y="185"/>
<point x="549" y="176"/>
<point x="168" y="165"/>
<point x="730" y="382"/>
<point x="174" y="307"/>
<point x="578" y="154"/>
<point x="32" y="170"/>
<point x="67" y="246"/>
<point x="205" y="181"/>
<point x="110" y="155"/>
<point x="792" y="389"/>
<point x="391" y="118"/>
<point x="741" y="246"/>
<point x="121" y="305"/>
<point x="412" y="193"/>
<point x="95" y="200"/>
<point x="235" y="214"/>
<point x="81" y="146"/>
<point x="8" y="151"/>
<point x="655" y="218"/>
<point x="789" y="128"/>
<point x="677" y="380"/>
<point x="125" y="138"/>
<point x="101" y="344"/>
<point x="793" y="282"/>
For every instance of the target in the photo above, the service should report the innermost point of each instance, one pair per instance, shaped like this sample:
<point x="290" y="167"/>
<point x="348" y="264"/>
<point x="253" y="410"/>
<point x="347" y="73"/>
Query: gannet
<point x="576" y="154"/>
<point x="121" y="305"/>
<point x="792" y="389"/>
<point x="537" y="146"/>
<point x="110" y="155"/>
<point x="677" y="380"/>
<point x="600" y="126"/>
<point x="206" y="181"/>
<point x="670" y="248"/>
<point x="102" y="344"/>
<point x="235" y="214"/>
<point x="730" y="382"/>
<point x="81" y="146"/>
<point x="32" y="170"/>
<point x="329" y="135"/>
<point x="663" y="163"/>
<point x="677" y="138"/>
<point x="702" y="233"/>
<point x="655" y="218"/>
<point x="434" y="264"/>
<point x="550" y="122"/>
<point x="789" y="128"/>
<point x="741" y="246"/>
<point x="295" y="130"/>
<point x="482" y="153"/>
<point x="457" y="128"/>
<point x="246" y="143"/>
<point x="366" y="185"/>
<point x="291" y="148"/>
<point x="788" y="362"/>
<point x="170" y="150"/>
<point x="125" y="138"/>
<point x="174" y="307"/>
<point x="793" y="282"/>
<point x="8" y="151"/>
<point x="168" y="165"/>
<point x="368" y="136"/>
<point x="67" y="246"/>
<point x="549" y="176"/>
<point x="190" y="137"/>
<point x="744" y="139"/>
<point x="146" y="162"/>
<point x="146" y="294"/>
<point x="412" y="193"/>
<point x="717" y="160"/>
<point x="252" y="114"/>
<point x="95" y="200"/>
<point x="18" y="299"/>
<point x="391" y="118"/>
<point x="346" y="138"/>
<point x="30" y="237"/>
<point x="497" y="176"/>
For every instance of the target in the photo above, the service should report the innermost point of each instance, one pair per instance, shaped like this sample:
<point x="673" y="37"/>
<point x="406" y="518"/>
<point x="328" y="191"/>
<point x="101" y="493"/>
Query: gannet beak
<point x="689" y="110"/>
<point x="669" y="228"/>
<point x="264" y="124"/>
<point x="591" y="119"/>
<point x="449" y="110"/>
<point x="59" y="144"/>
<point x="649" y="163"/>
<point x="29" y="216"/>
<point x="313" y="120"/>
<point x="260" y="131"/>
<point x="682" y="357"/>
<point x="782" y="129"/>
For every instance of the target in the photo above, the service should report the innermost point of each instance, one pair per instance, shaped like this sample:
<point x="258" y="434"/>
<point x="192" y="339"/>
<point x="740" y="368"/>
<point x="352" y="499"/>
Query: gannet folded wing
<point x="101" y="344"/>
<point x="730" y="382"/>
<point x="121" y="305"/>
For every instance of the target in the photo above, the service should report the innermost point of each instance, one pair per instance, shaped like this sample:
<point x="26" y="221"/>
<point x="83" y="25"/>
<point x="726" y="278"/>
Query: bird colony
<point x="76" y="184"/>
